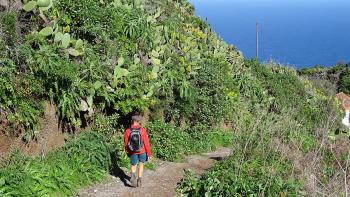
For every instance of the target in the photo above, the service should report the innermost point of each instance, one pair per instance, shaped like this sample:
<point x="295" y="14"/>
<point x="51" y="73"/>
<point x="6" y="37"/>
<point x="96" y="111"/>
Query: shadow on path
<point x="219" y="158"/>
<point x="117" y="171"/>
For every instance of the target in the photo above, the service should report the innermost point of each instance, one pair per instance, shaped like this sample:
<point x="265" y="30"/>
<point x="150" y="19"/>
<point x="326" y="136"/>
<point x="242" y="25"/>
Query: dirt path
<point x="161" y="182"/>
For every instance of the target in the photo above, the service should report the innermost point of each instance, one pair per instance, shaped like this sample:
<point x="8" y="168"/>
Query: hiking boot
<point x="139" y="182"/>
<point x="133" y="180"/>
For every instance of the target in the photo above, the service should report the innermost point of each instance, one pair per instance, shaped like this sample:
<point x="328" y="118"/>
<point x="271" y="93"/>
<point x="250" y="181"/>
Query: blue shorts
<point x="134" y="158"/>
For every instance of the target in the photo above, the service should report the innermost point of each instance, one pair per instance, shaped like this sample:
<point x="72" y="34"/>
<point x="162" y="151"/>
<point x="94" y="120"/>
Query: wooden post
<point x="257" y="41"/>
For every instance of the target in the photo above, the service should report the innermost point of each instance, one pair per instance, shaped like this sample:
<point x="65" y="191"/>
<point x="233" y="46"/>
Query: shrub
<point x="219" y="137"/>
<point x="168" y="142"/>
<point x="106" y="125"/>
<point x="121" y="157"/>
<point x="207" y="138"/>
<point x="254" y="177"/>
<point x="84" y="159"/>
<point x="2" y="48"/>
<point x="8" y="22"/>
<point x="22" y="112"/>
<point x="282" y="85"/>
<point x="172" y="143"/>
<point x="215" y="93"/>
<point x="344" y="82"/>
<point x="85" y="17"/>
<point x="255" y="168"/>
<point x="92" y="147"/>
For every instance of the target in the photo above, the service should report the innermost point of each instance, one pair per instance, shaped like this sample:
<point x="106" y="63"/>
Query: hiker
<point x="138" y="149"/>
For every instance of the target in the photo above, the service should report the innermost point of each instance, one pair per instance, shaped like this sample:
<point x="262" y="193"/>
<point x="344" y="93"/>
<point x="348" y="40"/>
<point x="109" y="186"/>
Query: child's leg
<point x="142" y="160"/>
<point x="133" y="178"/>
<point x="140" y="169"/>
<point x="133" y="168"/>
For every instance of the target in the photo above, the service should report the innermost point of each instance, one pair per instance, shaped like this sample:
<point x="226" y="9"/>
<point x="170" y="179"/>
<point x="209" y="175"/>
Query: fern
<point x="85" y="159"/>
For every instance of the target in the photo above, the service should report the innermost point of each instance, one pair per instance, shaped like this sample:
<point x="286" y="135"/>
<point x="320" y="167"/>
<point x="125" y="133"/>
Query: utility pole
<point x="257" y="41"/>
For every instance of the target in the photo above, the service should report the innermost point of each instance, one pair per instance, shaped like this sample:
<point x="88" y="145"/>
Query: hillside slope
<point x="112" y="57"/>
<point x="99" y="61"/>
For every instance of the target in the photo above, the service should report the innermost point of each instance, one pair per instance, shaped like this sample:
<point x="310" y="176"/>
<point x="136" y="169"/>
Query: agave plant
<point x="42" y="5"/>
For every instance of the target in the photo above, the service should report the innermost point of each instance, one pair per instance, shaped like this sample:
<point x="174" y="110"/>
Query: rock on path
<point x="160" y="182"/>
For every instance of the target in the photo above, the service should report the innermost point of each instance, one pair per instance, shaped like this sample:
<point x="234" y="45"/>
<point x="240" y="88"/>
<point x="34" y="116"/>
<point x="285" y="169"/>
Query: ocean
<point x="297" y="33"/>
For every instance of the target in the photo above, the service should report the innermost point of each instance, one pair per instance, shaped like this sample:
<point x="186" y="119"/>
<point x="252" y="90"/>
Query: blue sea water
<point x="298" y="33"/>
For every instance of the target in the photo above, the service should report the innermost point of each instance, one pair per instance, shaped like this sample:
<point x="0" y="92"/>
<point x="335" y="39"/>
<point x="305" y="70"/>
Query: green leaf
<point x="97" y="85"/>
<point x="155" y="54"/>
<point x="29" y="6"/>
<point x="114" y="82"/>
<point x="158" y="13"/>
<point x="42" y="9"/>
<point x="90" y="100"/>
<point x="74" y="52"/>
<point x="79" y="44"/>
<point x="149" y="18"/>
<point x="150" y="93"/>
<point x="121" y="61"/>
<point x="137" y="60"/>
<point x="120" y="72"/>
<point x="155" y="69"/>
<point x="65" y="40"/>
<point x="91" y="91"/>
<point x="331" y="137"/>
<point x="154" y="75"/>
<point x="117" y="3"/>
<point x="58" y="37"/>
<point x="137" y="3"/>
<point x="46" y="31"/>
<point x="43" y="3"/>
<point x="2" y="181"/>
<point x="133" y="67"/>
<point x="155" y="61"/>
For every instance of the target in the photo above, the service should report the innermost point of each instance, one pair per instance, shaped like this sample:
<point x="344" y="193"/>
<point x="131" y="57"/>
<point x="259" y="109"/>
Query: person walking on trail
<point x="138" y="149"/>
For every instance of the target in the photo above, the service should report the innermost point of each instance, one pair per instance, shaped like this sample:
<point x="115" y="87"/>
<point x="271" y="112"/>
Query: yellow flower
<point x="182" y="60"/>
<point x="185" y="49"/>
<point x="201" y="34"/>
<point x="66" y="29"/>
<point x="153" y="102"/>
<point x="232" y="94"/>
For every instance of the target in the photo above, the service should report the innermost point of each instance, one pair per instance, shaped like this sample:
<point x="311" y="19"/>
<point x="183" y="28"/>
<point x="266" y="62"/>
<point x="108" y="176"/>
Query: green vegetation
<point x="275" y="142"/>
<point x="22" y="111"/>
<point x="251" y="178"/>
<point x="344" y="82"/>
<point x="83" y="160"/>
<point x="172" y="143"/>
<point x="8" y="25"/>
<point x="160" y="58"/>
<point x="329" y="79"/>
<point x="100" y="61"/>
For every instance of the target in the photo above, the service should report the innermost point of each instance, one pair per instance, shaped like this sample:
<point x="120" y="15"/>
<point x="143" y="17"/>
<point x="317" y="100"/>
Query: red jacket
<point x="144" y="137"/>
